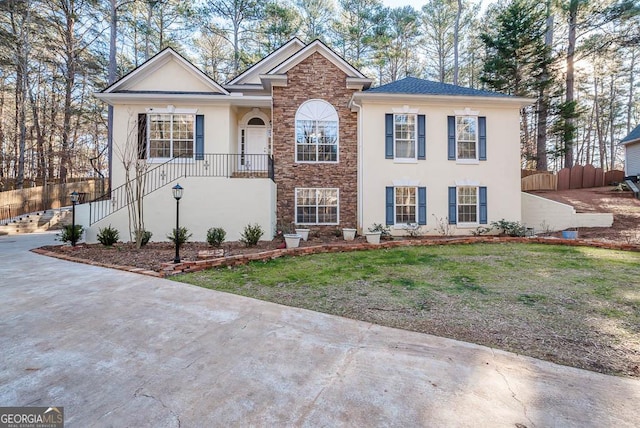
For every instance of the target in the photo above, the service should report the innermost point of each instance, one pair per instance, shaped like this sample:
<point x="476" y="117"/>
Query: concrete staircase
<point x="634" y="188"/>
<point x="40" y="221"/>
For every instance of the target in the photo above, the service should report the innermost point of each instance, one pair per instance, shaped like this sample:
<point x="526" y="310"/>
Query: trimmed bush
<point x="251" y="235"/>
<point x="179" y="236"/>
<point x="108" y="236"/>
<point x="216" y="236"/>
<point x="71" y="234"/>
<point x="510" y="228"/>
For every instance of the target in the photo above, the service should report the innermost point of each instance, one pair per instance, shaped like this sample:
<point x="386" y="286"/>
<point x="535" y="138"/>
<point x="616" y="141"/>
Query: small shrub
<point x="385" y="232"/>
<point x="510" y="228"/>
<point x="481" y="230"/>
<point x="108" y="236"/>
<point x="443" y="227"/>
<point x="413" y="229"/>
<point x="251" y="235"/>
<point x="179" y="236"/>
<point x="143" y="236"/>
<point x="216" y="236"/>
<point x="71" y="234"/>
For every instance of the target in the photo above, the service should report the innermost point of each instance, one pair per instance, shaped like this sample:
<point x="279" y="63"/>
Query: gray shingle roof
<point x="633" y="135"/>
<point x="415" y="86"/>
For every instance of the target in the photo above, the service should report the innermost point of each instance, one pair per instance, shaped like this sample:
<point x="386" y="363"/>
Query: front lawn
<point x="577" y="306"/>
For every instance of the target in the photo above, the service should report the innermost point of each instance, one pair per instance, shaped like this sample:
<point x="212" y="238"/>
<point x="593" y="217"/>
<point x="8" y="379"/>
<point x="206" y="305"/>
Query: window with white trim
<point x="466" y="137"/>
<point x="405" y="206"/>
<point x="317" y="206"/>
<point x="405" y="132"/>
<point x="171" y="135"/>
<point x="316" y="132"/>
<point x="467" y="204"/>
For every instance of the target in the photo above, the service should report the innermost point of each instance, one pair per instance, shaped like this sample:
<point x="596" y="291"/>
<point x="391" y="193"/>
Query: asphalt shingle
<point x="633" y="135"/>
<point x="415" y="86"/>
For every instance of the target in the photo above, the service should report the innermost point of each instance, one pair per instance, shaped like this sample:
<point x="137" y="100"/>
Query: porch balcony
<point x="156" y="176"/>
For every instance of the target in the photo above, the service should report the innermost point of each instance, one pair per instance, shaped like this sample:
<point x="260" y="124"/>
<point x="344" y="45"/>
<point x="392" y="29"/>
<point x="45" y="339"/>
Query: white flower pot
<point x="304" y="233"/>
<point x="349" y="234"/>
<point x="292" y="240"/>
<point x="373" y="237"/>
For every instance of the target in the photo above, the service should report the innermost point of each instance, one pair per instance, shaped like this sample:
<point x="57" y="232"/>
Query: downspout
<point x="360" y="167"/>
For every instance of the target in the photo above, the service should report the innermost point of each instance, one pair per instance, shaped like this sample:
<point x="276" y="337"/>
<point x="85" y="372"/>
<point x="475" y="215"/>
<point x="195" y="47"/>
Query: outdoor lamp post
<point x="74" y="201"/>
<point x="177" y="194"/>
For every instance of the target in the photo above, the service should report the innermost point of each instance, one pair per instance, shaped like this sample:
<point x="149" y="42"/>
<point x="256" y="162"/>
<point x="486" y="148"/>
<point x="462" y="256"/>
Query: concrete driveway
<point x="123" y="350"/>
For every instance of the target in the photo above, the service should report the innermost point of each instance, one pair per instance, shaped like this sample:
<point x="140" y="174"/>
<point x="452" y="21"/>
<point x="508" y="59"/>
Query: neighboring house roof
<point x="412" y="87"/>
<point x="130" y="83"/>
<point x="632" y="137"/>
<point x="251" y="76"/>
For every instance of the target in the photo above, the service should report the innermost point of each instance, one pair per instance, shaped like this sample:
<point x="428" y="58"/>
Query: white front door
<point x="253" y="148"/>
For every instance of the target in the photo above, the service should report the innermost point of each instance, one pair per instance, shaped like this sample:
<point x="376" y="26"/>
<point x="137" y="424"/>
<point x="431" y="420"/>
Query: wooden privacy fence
<point x="14" y="203"/>
<point x="578" y="177"/>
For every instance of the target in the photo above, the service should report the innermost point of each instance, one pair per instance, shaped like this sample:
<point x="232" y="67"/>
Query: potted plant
<point x="304" y="233"/>
<point x="348" y="234"/>
<point x="292" y="240"/>
<point x="373" y="237"/>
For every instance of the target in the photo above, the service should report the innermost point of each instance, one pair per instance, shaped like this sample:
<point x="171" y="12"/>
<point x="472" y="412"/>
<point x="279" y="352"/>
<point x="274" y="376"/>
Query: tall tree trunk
<point x="630" y="103"/>
<point x="570" y="98"/>
<point x="543" y="102"/>
<point x="456" y="42"/>
<point x="69" y="83"/>
<point x="113" y="28"/>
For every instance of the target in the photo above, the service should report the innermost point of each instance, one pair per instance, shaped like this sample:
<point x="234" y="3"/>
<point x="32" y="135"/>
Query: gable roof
<point x="632" y="137"/>
<point x="415" y="86"/>
<point x="324" y="50"/>
<point x="252" y="74"/>
<point x="156" y="62"/>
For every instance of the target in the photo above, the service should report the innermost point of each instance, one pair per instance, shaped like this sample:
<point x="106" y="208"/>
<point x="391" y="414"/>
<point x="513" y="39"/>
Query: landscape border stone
<point x="186" y="266"/>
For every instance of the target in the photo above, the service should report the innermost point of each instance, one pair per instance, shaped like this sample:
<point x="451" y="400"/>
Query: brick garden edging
<point x="241" y="259"/>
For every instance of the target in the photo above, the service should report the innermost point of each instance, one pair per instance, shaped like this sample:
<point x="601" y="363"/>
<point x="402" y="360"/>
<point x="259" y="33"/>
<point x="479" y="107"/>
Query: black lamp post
<point x="177" y="194"/>
<point x="74" y="201"/>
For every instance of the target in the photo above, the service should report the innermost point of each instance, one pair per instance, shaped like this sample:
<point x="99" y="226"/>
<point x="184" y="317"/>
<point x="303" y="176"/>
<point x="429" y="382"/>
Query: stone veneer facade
<point x="315" y="78"/>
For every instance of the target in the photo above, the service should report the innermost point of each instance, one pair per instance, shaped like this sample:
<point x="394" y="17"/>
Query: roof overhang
<point x="234" y="99"/>
<point x="629" y="142"/>
<point x="382" y="98"/>
<point x="271" y="80"/>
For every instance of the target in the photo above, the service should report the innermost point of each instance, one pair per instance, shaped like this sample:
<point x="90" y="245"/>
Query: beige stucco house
<point x="302" y="139"/>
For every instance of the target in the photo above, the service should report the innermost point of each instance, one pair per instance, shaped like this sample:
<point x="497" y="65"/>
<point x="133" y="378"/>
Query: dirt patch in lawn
<point x="622" y="204"/>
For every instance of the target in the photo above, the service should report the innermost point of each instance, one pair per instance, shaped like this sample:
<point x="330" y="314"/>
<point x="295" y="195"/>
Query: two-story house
<point x="300" y="138"/>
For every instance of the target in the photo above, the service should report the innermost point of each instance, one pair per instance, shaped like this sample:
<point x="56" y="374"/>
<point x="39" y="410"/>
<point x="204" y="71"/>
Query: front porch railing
<point x="218" y="165"/>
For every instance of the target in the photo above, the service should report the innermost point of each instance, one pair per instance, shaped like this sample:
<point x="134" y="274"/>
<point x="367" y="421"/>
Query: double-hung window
<point x="317" y="206"/>
<point x="467" y="138"/>
<point x="468" y="205"/>
<point x="406" y="205"/>
<point x="170" y="135"/>
<point x="404" y="136"/>
<point x="316" y="132"/>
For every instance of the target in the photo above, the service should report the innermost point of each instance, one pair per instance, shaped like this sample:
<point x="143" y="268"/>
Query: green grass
<point x="560" y="303"/>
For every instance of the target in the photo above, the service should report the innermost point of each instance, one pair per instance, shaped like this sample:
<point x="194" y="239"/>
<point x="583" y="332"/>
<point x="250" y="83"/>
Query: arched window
<point x="316" y="132"/>
<point x="256" y="121"/>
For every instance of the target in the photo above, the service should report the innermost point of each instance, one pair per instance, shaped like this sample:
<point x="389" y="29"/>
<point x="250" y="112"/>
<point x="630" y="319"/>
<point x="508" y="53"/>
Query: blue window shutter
<point x="422" y="205"/>
<point x="389" y="206"/>
<point x="452" y="205"/>
<point x="199" y="137"/>
<point x="142" y="136"/>
<point x="482" y="137"/>
<point x="422" y="146"/>
<point x="388" y="136"/>
<point x="451" y="132"/>
<point x="483" y="205"/>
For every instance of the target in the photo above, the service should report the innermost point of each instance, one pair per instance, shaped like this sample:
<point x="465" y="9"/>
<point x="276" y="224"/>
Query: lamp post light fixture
<point x="177" y="194"/>
<point x="74" y="201"/>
